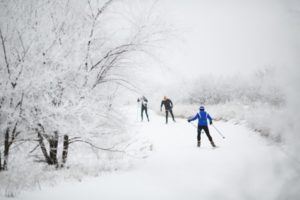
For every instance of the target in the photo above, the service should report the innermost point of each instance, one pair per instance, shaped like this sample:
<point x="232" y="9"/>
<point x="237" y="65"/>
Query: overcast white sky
<point x="228" y="36"/>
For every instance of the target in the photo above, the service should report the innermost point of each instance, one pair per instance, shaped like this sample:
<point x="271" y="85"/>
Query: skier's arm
<point x="161" y="105"/>
<point x="209" y="118"/>
<point x="194" y="118"/>
<point x="171" y="104"/>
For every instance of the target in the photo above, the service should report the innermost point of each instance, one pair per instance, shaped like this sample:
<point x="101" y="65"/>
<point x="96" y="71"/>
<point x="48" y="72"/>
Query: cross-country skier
<point x="168" y="107"/>
<point x="202" y="117"/>
<point x="144" y="103"/>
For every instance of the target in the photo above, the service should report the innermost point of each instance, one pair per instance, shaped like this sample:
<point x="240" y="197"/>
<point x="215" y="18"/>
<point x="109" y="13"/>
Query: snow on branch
<point x="95" y="18"/>
<point x="5" y="54"/>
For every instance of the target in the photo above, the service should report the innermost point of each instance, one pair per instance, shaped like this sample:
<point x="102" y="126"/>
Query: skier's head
<point x="165" y="98"/>
<point x="201" y="108"/>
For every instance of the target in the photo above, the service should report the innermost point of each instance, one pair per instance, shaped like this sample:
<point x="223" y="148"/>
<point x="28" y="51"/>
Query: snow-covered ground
<point x="245" y="166"/>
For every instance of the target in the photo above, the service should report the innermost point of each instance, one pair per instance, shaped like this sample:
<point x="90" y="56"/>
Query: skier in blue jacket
<point x="202" y="117"/>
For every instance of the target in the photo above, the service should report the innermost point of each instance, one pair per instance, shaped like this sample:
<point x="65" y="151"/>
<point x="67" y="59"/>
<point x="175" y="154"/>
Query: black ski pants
<point x="144" y="109"/>
<point x="206" y="130"/>
<point x="167" y="114"/>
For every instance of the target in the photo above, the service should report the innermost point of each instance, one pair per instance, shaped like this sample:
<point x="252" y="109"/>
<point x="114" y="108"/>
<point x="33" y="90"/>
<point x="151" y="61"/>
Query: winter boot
<point x="198" y="144"/>
<point x="212" y="144"/>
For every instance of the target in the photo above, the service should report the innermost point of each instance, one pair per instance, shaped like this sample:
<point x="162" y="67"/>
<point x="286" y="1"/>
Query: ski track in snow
<point x="246" y="166"/>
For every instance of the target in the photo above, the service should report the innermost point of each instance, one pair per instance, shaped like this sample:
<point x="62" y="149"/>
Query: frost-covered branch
<point x="111" y="149"/>
<point x="95" y="18"/>
<point x="5" y="53"/>
<point x="113" y="52"/>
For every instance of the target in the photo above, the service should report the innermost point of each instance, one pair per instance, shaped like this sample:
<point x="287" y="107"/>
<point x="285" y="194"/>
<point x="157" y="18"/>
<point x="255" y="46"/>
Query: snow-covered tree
<point x="61" y="61"/>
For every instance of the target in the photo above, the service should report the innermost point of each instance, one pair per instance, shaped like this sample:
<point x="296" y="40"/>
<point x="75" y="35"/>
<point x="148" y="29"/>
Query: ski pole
<point x="219" y="132"/>
<point x="137" y="111"/>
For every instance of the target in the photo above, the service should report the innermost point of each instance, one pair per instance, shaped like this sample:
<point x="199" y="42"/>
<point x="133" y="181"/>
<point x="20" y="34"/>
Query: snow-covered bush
<point x="262" y="86"/>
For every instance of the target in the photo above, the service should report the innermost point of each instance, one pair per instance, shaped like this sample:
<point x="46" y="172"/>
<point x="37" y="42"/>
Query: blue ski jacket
<point x="202" y="117"/>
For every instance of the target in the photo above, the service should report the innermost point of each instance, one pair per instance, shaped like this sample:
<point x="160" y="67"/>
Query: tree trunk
<point x="65" y="150"/>
<point x="53" y="142"/>
<point x="0" y="162"/>
<point x="43" y="147"/>
<point x="6" y="149"/>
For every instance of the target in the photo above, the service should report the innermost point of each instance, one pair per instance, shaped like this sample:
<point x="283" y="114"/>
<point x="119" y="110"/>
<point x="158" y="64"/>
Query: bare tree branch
<point x="13" y="134"/>
<point x="20" y="103"/>
<point x="43" y="147"/>
<point x="34" y="148"/>
<point x="95" y="18"/>
<point x="120" y="81"/>
<point x="5" y="54"/>
<point x="115" y="51"/>
<point x="43" y="132"/>
<point x="111" y="149"/>
<point x="2" y="101"/>
<point x="22" y="43"/>
<point x="91" y="8"/>
<point x="109" y="61"/>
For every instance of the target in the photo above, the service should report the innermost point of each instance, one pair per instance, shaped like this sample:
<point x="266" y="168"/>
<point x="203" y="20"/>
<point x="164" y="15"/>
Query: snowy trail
<point x="244" y="167"/>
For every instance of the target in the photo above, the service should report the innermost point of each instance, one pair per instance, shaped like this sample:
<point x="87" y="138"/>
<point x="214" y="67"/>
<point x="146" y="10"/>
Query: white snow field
<point x="245" y="166"/>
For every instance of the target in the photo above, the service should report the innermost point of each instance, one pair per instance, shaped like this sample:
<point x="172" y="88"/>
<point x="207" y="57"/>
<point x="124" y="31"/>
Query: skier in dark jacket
<point x="202" y="117"/>
<point x="168" y="107"/>
<point x="144" y="103"/>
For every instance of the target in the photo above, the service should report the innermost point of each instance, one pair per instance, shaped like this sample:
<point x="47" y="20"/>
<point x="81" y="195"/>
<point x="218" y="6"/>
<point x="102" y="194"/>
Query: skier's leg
<point x="167" y="116"/>
<point x="172" y="115"/>
<point x="199" y="136"/>
<point x="142" y="110"/>
<point x="146" y="111"/>
<point x="208" y="135"/>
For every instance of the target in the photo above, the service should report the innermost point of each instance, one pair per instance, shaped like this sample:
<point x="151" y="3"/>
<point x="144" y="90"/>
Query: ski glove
<point x="189" y="120"/>
<point x="210" y="122"/>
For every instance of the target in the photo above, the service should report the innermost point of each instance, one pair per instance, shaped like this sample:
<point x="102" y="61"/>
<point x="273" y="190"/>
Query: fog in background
<point x="226" y="38"/>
